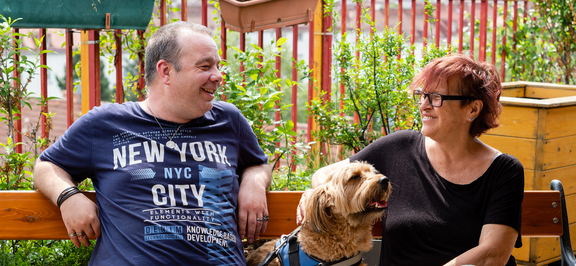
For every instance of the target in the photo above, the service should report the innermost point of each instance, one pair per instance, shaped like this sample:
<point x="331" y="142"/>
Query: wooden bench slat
<point x="282" y="211"/>
<point x="30" y="215"/>
<point x="538" y="213"/>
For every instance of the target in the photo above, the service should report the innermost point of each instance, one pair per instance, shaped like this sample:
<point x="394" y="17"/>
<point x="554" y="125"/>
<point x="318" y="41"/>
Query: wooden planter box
<point x="254" y="15"/>
<point x="538" y="126"/>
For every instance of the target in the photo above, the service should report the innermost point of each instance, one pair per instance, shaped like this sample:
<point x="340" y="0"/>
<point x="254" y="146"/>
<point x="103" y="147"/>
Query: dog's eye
<point x="355" y="177"/>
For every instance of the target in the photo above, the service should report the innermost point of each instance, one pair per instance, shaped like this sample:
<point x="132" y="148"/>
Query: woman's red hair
<point x="464" y="76"/>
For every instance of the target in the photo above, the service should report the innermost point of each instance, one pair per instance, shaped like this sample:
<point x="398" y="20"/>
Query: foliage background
<point x="543" y="49"/>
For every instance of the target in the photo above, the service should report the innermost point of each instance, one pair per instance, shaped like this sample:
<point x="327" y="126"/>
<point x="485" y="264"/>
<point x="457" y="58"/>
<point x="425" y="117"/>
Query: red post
<point x="515" y="24"/>
<point x="294" y="76"/>
<point x="358" y="32"/>
<point x="310" y="120"/>
<point x="243" y="49"/>
<point x="261" y="42"/>
<point x="43" y="84"/>
<point x="343" y="30"/>
<point x="327" y="57"/>
<point x="413" y="24"/>
<point x="162" y="12"/>
<point x="223" y="48"/>
<point x="184" y="10"/>
<point x="205" y="12"/>
<point x="372" y="15"/>
<point x="141" y="81"/>
<point x="278" y="67"/>
<point x="472" y="24"/>
<point x="461" y="27"/>
<point x="69" y="79"/>
<point x="438" y="20"/>
<point x="386" y="13"/>
<point x="294" y="87"/>
<point x="118" y="67"/>
<point x="425" y="30"/>
<point x="261" y="38"/>
<point x="494" y="29"/>
<point x="223" y="38"/>
<point x="449" y="25"/>
<point x="399" y="19"/>
<point x="94" y="57"/>
<point x="18" y="121"/>
<point x="503" y="63"/>
<point x="326" y="66"/>
<point x="526" y="10"/>
<point x="483" y="29"/>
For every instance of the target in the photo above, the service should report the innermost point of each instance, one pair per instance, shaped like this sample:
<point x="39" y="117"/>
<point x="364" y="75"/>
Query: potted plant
<point x="254" y="15"/>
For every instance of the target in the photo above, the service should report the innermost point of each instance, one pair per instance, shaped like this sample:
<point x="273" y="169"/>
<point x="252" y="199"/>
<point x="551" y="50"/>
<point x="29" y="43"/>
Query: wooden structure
<point x="30" y="215"/>
<point x="538" y="126"/>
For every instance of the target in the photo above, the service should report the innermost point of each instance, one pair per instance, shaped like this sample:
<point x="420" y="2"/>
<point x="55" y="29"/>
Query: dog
<point x="338" y="219"/>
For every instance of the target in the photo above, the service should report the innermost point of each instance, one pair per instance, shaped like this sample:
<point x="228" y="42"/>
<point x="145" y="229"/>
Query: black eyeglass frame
<point x="418" y="95"/>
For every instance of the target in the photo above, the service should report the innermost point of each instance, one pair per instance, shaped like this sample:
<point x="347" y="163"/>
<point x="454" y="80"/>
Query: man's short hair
<point x="163" y="44"/>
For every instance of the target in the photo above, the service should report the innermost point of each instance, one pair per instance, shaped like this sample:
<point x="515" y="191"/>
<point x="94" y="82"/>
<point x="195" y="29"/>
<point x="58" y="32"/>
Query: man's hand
<point x="80" y="215"/>
<point x="252" y="205"/>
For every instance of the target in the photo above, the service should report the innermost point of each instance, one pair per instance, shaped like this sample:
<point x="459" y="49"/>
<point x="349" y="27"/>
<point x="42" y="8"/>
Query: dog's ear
<point x="318" y="210"/>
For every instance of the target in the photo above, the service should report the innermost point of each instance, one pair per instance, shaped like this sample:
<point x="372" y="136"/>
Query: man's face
<point x="192" y="88"/>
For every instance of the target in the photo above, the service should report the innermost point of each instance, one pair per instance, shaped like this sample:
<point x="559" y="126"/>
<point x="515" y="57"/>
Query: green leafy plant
<point x="543" y="49"/>
<point x="15" y="167"/>
<point x="376" y="91"/>
<point x="255" y="91"/>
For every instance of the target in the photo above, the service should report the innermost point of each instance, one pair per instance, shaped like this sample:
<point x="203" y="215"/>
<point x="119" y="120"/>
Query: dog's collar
<point x="301" y="258"/>
<point x="346" y="261"/>
<point x="288" y="243"/>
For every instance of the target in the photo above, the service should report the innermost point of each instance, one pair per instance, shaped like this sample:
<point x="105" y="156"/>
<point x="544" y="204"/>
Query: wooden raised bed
<point x="538" y="126"/>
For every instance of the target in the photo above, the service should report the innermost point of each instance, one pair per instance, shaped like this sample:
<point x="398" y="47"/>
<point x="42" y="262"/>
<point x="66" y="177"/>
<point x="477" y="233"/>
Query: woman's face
<point x="446" y="121"/>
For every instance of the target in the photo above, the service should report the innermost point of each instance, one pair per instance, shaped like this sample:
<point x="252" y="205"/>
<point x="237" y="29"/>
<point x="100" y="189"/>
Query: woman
<point x="455" y="200"/>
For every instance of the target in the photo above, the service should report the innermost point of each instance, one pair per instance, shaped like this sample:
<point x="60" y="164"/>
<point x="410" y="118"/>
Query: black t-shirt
<point x="430" y="220"/>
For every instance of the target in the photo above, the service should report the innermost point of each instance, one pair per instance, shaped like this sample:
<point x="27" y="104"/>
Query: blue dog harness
<point x="289" y="253"/>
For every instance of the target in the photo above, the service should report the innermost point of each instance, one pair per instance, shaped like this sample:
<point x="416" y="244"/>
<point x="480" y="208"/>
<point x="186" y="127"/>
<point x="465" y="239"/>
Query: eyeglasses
<point x="436" y="99"/>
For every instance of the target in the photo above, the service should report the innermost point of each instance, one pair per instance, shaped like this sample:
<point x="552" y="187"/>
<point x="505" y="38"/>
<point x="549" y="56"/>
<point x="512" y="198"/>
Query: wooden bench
<point x="29" y="215"/>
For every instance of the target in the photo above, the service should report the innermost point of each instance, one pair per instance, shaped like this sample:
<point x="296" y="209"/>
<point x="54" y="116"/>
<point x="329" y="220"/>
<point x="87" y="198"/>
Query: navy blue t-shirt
<point x="162" y="206"/>
<point x="431" y="220"/>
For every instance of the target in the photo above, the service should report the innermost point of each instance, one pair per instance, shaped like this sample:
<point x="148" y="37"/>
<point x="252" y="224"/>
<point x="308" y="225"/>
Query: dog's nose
<point x="384" y="182"/>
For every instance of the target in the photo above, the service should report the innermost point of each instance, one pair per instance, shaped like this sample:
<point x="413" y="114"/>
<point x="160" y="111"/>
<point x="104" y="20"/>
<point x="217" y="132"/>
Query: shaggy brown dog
<point x="339" y="215"/>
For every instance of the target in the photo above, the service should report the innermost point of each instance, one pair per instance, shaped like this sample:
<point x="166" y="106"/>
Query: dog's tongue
<point x="381" y="204"/>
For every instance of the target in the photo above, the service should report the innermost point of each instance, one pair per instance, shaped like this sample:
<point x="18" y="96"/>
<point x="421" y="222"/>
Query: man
<point x="180" y="180"/>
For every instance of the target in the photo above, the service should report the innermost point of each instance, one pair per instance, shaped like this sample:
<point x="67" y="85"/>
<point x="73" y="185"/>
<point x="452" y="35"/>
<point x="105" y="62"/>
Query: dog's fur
<point x="339" y="215"/>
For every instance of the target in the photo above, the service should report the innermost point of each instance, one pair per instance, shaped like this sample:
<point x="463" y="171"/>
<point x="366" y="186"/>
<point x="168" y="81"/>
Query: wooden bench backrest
<point x="29" y="215"/>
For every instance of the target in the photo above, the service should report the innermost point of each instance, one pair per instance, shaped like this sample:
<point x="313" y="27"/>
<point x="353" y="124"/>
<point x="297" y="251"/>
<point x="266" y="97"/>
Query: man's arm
<point x="252" y="203"/>
<point x="79" y="213"/>
<point x="494" y="248"/>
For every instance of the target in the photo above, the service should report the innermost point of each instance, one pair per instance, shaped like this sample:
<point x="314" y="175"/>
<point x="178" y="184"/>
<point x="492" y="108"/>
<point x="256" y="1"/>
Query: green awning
<point x="79" y="14"/>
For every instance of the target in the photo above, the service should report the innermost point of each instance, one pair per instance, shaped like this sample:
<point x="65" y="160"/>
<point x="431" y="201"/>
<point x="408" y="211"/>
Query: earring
<point x="471" y="119"/>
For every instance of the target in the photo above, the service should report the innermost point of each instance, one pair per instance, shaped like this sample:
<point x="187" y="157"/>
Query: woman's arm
<point x="494" y="248"/>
